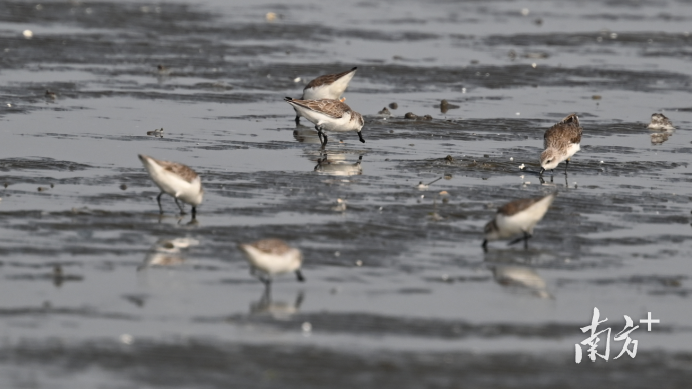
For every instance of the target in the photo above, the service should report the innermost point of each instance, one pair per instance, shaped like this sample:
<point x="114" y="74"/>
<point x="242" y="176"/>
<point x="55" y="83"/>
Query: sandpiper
<point x="329" y="86"/>
<point x="177" y="180"/>
<point x="561" y="141"/>
<point x="659" y="121"/>
<point x="268" y="257"/>
<point x="330" y="115"/>
<point x="517" y="217"/>
<point x="163" y="70"/>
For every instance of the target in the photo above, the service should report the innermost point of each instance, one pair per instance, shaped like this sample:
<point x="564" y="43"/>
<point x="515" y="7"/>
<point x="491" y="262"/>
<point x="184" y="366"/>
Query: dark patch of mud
<point x="202" y="364"/>
<point x="40" y="163"/>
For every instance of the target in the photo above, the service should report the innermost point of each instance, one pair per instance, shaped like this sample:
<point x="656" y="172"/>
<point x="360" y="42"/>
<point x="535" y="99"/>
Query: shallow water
<point x="399" y="292"/>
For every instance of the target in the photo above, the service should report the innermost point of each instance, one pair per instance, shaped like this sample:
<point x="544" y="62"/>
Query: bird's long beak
<point x="541" y="172"/>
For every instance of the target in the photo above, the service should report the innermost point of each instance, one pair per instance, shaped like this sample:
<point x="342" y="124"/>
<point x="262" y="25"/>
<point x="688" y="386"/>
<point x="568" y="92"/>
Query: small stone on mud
<point x="393" y="105"/>
<point x="123" y="187"/>
<point x="446" y="106"/>
<point x="410" y="115"/>
<point x="384" y="111"/>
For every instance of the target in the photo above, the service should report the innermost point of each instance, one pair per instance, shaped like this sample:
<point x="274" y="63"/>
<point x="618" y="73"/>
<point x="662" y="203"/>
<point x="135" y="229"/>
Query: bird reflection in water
<point x="337" y="166"/>
<point x="277" y="309"/>
<point x="658" y="138"/>
<point x="521" y="279"/>
<point x="552" y="184"/>
<point x="305" y="134"/>
<point x="167" y="252"/>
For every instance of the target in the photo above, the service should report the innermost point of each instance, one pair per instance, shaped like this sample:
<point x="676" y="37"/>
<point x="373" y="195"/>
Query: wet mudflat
<point x="97" y="289"/>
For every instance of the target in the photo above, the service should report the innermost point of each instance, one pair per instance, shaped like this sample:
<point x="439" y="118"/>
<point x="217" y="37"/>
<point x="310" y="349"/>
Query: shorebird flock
<point x="322" y="103"/>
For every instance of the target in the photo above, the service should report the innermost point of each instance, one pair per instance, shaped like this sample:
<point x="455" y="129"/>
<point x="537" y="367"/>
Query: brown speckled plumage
<point x="561" y="135"/>
<point x="327" y="79"/>
<point x="271" y="246"/>
<point x="517" y="206"/>
<point x="332" y="108"/>
<point x="178" y="169"/>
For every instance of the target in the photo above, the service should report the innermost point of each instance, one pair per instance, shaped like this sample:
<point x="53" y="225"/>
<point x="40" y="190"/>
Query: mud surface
<point x="98" y="290"/>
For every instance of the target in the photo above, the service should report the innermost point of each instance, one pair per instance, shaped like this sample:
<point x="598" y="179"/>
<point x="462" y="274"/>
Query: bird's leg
<point x="299" y="276"/>
<point x="320" y="134"/>
<point x="527" y="236"/>
<point x="158" y="199"/>
<point x="566" y="164"/>
<point x="485" y="245"/>
<point x="267" y="282"/>
<point x="182" y="211"/>
<point x="297" y="119"/>
<point x="194" y="213"/>
<point x="266" y="295"/>
<point x="360" y="135"/>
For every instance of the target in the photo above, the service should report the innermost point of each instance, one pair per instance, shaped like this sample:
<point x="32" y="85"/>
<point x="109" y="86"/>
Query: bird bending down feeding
<point x="269" y="257"/>
<point x="561" y="142"/>
<point x="329" y="115"/>
<point x="177" y="180"/>
<point x="659" y="121"/>
<point x="517" y="217"/>
<point x="329" y="86"/>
